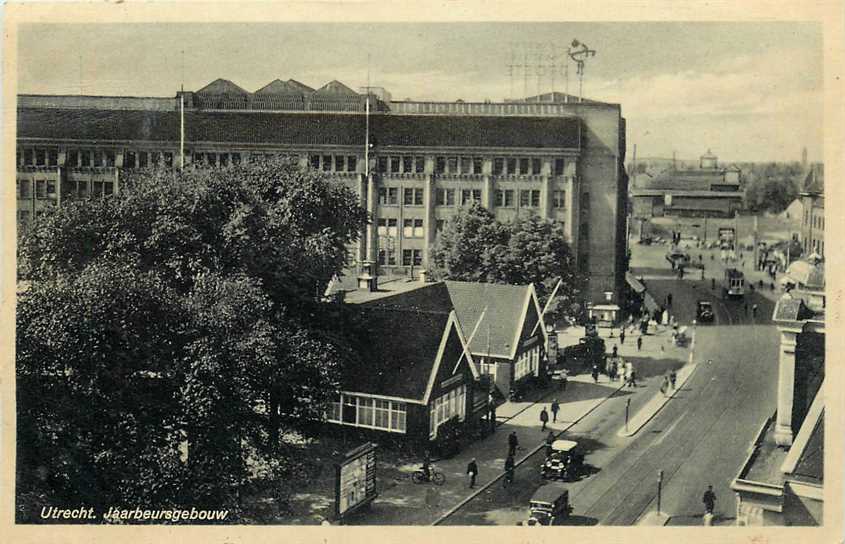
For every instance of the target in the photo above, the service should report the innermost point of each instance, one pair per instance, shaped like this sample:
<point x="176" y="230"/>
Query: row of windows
<point x="410" y="257"/>
<point x="46" y="189"/>
<point x="400" y="165"/>
<point x="396" y="164"/>
<point x="817" y="246"/>
<point x="816" y="220"/>
<point x="447" y="406"/>
<point x="38" y="157"/>
<point x="504" y="198"/>
<point x="334" y="163"/>
<point x="411" y="228"/>
<point x="385" y="415"/>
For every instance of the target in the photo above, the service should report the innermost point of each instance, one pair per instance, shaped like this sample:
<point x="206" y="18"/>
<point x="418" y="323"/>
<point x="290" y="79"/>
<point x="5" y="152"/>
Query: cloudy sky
<point x="748" y="91"/>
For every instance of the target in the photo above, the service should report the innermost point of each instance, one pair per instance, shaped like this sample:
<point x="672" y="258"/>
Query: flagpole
<point x="182" y="130"/>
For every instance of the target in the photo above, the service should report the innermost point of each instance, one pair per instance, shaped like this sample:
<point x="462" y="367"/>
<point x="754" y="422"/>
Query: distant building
<point x="709" y="191"/>
<point x="812" y="200"/>
<point x="781" y="481"/>
<point x="794" y="212"/>
<point x="553" y="155"/>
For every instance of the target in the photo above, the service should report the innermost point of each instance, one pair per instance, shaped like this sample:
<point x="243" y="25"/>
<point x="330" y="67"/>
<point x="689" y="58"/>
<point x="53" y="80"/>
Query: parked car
<point x="704" y="311"/>
<point x="565" y="462"/>
<point x="589" y="351"/>
<point x="549" y="504"/>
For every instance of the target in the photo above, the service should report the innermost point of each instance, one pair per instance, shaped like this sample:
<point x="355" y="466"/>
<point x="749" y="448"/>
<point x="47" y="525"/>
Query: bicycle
<point x="435" y="477"/>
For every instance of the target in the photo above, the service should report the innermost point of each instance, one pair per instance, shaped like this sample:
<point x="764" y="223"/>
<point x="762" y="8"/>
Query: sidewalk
<point x="406" y="503"/>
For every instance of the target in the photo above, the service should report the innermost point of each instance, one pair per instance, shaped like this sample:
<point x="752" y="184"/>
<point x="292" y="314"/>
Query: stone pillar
<point x="487" y="192"/>
<point x="429" y="221"/>
<point x="572" y="188"/>
<point x="786" y="385"/>
<point x="372" y="231"/>
<point x="545" y="197"/>
<point x="362" y="201"/>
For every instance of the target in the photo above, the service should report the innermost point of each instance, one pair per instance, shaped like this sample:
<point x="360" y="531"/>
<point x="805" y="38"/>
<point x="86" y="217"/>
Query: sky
<point x="746" y="91"/>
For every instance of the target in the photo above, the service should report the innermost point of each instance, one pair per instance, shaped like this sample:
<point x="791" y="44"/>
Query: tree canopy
<point x="182" y="311"/>
<point x="474" y="246"/>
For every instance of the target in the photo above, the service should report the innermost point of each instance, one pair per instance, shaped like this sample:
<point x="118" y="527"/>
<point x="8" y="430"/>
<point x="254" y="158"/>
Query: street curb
<point x="632" y="430"/>
<point x="654" y="519"/>
<point x="449" y="513"/>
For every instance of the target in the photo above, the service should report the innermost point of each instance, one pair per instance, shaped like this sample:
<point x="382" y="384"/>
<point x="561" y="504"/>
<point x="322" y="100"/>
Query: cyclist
<point x="426" y="467"/>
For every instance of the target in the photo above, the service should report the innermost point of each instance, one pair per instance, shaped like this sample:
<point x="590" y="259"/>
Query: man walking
<point x="639" y="343"/>
<point x="509" y="464"/>
<point x="673" y="377"/>
<point x="555" y="409"/>
<point x="622" y="337"/>
<point x="669" y="300"/>
<point x="665" y="385"/>
<point x="472" y="470"/>
<point x="564" y="377"/>
<point x="754" y="311"/>
<point x="513" y="443"/>
<point x="544" y="418"/>
<point x="709" y="500"/>
<point x="595" y="373"/>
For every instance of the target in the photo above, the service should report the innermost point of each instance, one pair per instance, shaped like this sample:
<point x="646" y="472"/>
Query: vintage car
<point x="565" y="461"/>
<point x="704" y="311"/>
<point x="589" y="351"/>
<point x="549" y="504"/>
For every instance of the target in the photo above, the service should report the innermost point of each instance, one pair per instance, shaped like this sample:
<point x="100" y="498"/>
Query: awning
<point x="650" y="304"/>
<point x="635" y="284"/>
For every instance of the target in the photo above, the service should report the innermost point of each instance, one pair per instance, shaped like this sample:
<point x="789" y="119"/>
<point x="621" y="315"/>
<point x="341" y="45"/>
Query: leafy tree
<point x="475" y="247"/>
<point x="183" y="310"/>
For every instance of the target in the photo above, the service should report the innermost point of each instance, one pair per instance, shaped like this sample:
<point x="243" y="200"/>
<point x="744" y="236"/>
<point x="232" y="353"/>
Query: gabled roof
<point x="398" y="353"/>
<point x="222" y="86"/>
<point x="491" y="315"/>
<point x="335" y="88"/>
<point x="277" y="86"/>
<point x="426" y="297"/>
<point x="814" y="180"/>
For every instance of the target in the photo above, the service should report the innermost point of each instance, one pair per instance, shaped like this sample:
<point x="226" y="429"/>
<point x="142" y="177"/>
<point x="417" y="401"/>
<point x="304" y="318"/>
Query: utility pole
<point x="627" y="407"/>
<point x="659" y="488"/>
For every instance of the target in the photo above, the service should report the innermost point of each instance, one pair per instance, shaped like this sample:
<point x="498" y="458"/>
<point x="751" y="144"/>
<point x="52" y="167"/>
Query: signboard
<point x="355" y="479"/>
<point x="726" y="234"/>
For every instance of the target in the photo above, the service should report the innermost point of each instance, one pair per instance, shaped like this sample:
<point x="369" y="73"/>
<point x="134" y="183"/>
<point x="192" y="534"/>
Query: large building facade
<point x="413" y="164"/>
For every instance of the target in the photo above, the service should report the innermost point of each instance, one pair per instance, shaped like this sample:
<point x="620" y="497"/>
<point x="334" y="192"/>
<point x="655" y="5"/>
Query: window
<point x="381" y="164"/>
<point x="477" y="165"/>
<point x="524" y="198"/>
<point x="411" y="257"/>
<point x="535" y="166"/>
<point x="511" y="166"/>
<point x="387" y="227"/>
<point x="412" y="228"/>
<point x="98" y="158"/>
<point x="559" y="199"/>
<point x="440" y="165"/>
<point x="314" y="161"/>
<point x="438" y="225"/>
<point x="224" y="159"/>
<point x="387" y="257"/>
<point x="19" y="158"/>
<point x="327" y="163"/>
<point x="558" y="167"/>
<point x="350" y="409"/>
<point x="381" y="414"/>
<point x="388" y="196"/>
<point x="470" y="195"/>
<point x="98" y="189"/>
<point x="26" y="188"/>
<point x="419" y="164"/>
<point x="339" y="163"/>
<point x="72" y="158"/>
<point x="395" y="165"/>
<point x="498" y="166"/>
<point x="53" y="157"/>
<point x="236" y="158"/>
<point x="40" y="188"/>
<point x="413" y="196"/>
<point x="466" y="165"/>
<point x="143" y="159"/>
<point x="585" y="201"/>
<point x="351" y="163"/>
<point x="28" y="157"/>
<point x="365" y="411"/>
<point x="168" y="159"/>
<point x="453" y="165"/>
<point x="82" y="188"/>
<point x="523" y="166"/>
<point x="535" y="199"/>
<point x="445" y="197"/>
<point x="108" y="188"/>
<point x="155" y="157"/>
<point x="86" y="158"/>
<point x="40" y="157"/>
<point x="407" y="164"/>
<point x="447" y="406"/>
<point x="24" y="216"/>
<point x="51" y="188"/>
<point x="504" y="198"/>
<point x="129" y="159"/>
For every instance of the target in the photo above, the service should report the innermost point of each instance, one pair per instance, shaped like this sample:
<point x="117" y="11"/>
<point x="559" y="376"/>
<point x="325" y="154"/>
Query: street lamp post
<point x="627" y="407"/>
<point x="659" y="488"/>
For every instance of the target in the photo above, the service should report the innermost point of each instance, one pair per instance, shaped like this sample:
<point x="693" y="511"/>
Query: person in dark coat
<point x="555" y="409"/>
<point x="544" y="418"/>
<point x="622" y="337"/>
<point x="673" y="377"/>
<point x="549" y="441"/>
<point x="596" y="373"/>
<point x="472" y="470"/>
<point x="513" y="443"/>
<point x="509" y="466"/>
<point x="709" y="500"/>
<point x="639" y="343"/>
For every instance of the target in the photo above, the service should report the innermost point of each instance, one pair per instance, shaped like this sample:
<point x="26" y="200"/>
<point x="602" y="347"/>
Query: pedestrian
<point x="509" y="464"/>
<point x="680" y="272"/>
<point x="664" y="386"/>
<point x="555" y="409"/>
<point x="549" y="441"/>
<point x="472" y="470"/>
<point x="544" y="418"/>
<point x="669" y="300"/>
<point x="513" y="443"/>
<point x="709" y="500"/>
<point x="712" y="283"/>
<point x="633" y="378"/>
<point x="673" y="377"/>
<point x="745" y="306"/>
<point x="595" y="373"/>
<point x="564" y="378"/>
<point x="622" y="337"/>
<point x="754" y="311"/>
<point x="702" y="273"/>
<point x="639" y="343"/>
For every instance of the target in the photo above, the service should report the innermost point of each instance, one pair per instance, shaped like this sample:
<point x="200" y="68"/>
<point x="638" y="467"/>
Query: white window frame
<point x="397" y="421"/>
